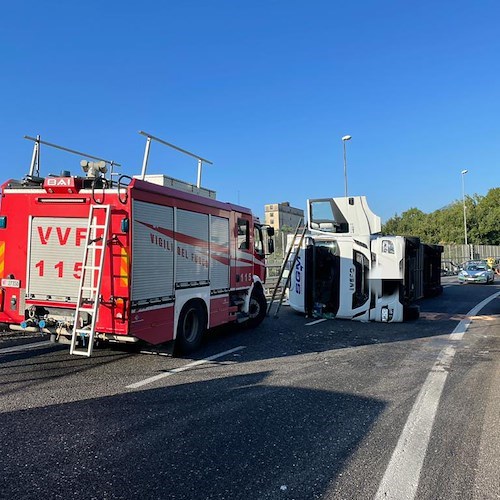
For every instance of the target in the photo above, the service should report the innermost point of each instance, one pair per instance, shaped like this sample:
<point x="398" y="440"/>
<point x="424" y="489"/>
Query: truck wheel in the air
<point x="257" y="309"/>
<point x="190" y="328"/>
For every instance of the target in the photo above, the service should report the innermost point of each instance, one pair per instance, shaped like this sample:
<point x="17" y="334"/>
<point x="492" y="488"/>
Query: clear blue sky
<point x="264" y="89"/>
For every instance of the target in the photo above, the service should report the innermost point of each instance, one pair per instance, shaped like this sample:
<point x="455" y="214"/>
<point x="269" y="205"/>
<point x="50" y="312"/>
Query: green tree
<point x="446" y="225"/>
<point x="487" y="221"/>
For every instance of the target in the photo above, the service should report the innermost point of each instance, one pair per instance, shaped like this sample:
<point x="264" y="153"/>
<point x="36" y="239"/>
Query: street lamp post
<point x="463" y="201"/>
<point x="344" y="139"/>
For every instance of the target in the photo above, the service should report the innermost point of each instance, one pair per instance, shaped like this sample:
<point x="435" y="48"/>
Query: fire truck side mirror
<point x="270" y="246"/>
<point x="270" y="231"/>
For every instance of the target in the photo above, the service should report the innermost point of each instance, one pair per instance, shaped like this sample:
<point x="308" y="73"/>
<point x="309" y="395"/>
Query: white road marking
<point x="488" y="460"/>
<point x="25" y="347"/>
<point x="403" y="472"/>
<point x="316" y="322"/>
<point x="157" y="353"/>
<point x="182" y="368"/>
<point x="461" y="328"/>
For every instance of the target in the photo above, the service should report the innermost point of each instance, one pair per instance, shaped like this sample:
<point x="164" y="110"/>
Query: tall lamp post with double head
<point x="344" y="140"/>
<point x="463" y="202"/>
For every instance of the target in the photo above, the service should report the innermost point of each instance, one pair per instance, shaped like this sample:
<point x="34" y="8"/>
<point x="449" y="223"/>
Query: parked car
<point x="476" y="271"/>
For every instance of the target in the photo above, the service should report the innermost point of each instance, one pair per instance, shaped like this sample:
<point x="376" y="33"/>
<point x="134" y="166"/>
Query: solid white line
<point x="182" y="368"/>
<point x="461" y="328"/>
<point x="25" y="347"/>
<point x="316" y="322"/>
<point x="402" y="475"/>
<point x="488" y="458"/>
<point x="403" y="472"/>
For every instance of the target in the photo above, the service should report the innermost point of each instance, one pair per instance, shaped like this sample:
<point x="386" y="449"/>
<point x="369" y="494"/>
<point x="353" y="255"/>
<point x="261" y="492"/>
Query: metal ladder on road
<point x="90" y="280"/>
<point x="295" y="248"/>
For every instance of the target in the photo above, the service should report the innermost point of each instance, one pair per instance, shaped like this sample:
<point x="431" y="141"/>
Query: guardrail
<point x="272" y="275"/>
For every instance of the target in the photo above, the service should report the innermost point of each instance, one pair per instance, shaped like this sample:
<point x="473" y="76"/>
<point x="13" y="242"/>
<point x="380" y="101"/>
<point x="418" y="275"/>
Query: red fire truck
<point x="148" y="258"/>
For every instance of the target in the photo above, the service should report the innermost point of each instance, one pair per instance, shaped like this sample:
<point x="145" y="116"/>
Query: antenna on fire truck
<point x="35" y="160"/>
<point x="161" y="141"/>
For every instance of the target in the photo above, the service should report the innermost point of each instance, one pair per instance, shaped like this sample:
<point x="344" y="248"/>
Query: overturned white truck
<point x="346" y="269"/>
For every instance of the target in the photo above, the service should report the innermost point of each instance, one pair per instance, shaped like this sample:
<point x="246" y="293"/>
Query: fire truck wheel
<point x="190" y="328"/>
<point x="257" y="309"/>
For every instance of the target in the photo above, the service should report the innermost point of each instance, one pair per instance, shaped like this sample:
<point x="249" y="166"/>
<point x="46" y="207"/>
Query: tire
<point x="257" y="309"/>
<point x="190" y="328"/>
<point x="411" y="313"/>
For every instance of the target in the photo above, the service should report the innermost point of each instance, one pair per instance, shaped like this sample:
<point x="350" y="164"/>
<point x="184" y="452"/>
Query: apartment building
<point x="279" y="215"/>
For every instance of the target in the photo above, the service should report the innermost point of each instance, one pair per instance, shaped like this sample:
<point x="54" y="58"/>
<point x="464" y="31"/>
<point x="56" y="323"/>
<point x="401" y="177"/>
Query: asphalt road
<point x="290" y="410"/>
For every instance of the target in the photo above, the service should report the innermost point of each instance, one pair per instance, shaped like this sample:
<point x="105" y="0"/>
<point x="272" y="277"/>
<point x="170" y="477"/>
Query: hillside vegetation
<point x="446" y="225"/>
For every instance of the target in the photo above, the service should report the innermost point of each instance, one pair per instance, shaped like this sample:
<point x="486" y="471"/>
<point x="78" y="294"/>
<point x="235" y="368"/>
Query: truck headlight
<point x="384" y="314"/>
<point x="387" y="246"/>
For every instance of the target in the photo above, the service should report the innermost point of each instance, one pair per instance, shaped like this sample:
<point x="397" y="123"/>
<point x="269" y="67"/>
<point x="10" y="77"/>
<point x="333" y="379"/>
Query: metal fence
<point x="454" y="255"/>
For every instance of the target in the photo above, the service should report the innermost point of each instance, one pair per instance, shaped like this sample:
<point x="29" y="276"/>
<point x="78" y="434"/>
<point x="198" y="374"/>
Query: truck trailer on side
<point x="85" y="258"/>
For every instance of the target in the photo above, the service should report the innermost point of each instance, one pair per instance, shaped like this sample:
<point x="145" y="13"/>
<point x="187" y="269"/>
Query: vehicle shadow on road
<point x="25" y="369"/>
<point x="230" y="438"/>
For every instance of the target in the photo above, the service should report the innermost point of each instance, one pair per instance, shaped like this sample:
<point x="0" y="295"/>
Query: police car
<point x="476" y="271"/>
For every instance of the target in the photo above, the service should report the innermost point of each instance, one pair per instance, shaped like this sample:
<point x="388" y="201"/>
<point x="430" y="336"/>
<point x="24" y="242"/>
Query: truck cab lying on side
<point x="347" y="269"/>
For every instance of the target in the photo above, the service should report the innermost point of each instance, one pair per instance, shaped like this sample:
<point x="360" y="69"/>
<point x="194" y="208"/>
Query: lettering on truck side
<point x="168" y="245"/>
<point x="80" y="235"/>
<point x="161" y="242"/>
<point x="298" y="275"/>
<point x="351" y="278"/>
<point x="59" y="181"/>
<point x="65" y="238"/>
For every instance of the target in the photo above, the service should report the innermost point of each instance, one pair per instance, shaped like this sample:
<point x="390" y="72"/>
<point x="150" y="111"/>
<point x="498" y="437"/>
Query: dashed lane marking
<point x="168" y="373"/>
<point x="316" y="322"/>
